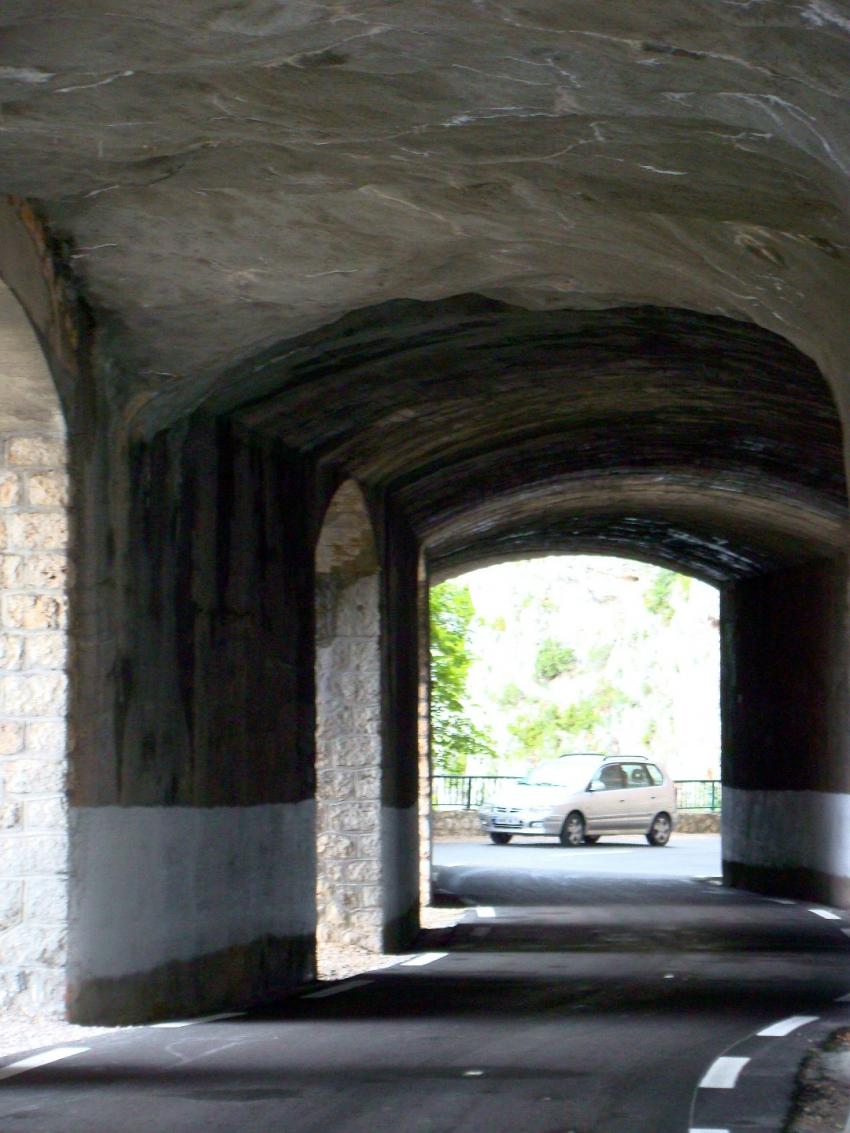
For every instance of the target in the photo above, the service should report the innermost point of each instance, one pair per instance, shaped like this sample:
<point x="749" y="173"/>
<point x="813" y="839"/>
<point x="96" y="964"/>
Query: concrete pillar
<point x="349" y="888"/>
<point x="193" y="814"/>
<point x="400" y="819"/>
<point x="785" y="639"/>
<point x="425" y="764"/>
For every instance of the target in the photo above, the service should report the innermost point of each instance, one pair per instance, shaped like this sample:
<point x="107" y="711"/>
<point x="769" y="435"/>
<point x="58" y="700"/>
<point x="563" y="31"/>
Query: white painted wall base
<point x="788" y="829"/>
<point x="158" y="884"/>
<point x="400" y="857"/>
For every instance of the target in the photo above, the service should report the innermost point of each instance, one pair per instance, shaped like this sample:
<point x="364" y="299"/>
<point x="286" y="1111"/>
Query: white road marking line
<point x="43" y="1059"/>
<point x="781" y="900"/>
<point x="723" y="1073"/>
<point x="338" y="989"/>
<point x="692" y="1130"/>
<point x="425" y="958"/>
<point x="485" y="911"/>
<point x="843" y="998"/>
<point x="174" y="1023"/>
<point x="846" y="931"/>
<point x="786" y="1026"/>
<point x="826" y="914"/>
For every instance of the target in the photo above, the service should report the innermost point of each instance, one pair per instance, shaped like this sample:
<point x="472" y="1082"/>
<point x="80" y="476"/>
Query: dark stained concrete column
<point x="193" y="821"/>
<point x="400" y="778"/>
<point x="786" y="743"/>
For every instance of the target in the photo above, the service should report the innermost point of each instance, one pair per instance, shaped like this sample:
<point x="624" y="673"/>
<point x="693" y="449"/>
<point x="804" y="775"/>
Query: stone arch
<point x="33" y="670"/>
<point x="348" y="726"/>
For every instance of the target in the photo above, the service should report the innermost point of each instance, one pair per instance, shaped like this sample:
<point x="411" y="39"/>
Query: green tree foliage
<point x="511" y="696"/>
<point x="658" y="596"/>
<point x="539" y="732"/>
<point x="548" y="730"/>
<point x="454" y="738"/>
<point x="553" y="659"/>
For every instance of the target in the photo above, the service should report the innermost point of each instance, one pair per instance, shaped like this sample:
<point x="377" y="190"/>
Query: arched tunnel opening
<point x="479" y="433"/>
<point x="535" y="661"/>
<point x="352" y="470"/>
<point x="575" y="717"/>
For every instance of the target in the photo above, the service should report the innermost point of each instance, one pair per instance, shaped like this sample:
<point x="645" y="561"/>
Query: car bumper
<point x="528" y="825"/>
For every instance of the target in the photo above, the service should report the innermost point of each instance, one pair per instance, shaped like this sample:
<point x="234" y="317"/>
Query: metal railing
<point x="699" y="794"/>
<point x="468" y="792"/>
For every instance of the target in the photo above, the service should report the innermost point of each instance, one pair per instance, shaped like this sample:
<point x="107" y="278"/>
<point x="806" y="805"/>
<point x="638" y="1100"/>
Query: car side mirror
<point x="596" y="785"/>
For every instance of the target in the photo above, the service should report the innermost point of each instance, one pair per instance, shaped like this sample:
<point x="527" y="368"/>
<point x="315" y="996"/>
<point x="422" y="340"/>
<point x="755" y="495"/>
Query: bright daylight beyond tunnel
<point x="533" y="660"/>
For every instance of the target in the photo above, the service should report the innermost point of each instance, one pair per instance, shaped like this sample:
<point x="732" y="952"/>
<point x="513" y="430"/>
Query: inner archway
<point x="348" y="728"/>
<point x="33" y="672"/>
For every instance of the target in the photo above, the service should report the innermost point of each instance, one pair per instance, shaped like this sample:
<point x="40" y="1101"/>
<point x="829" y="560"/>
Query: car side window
<point x="613" y="777"/>
<point x="654" y="774"/>
<point x="637" y="775"/>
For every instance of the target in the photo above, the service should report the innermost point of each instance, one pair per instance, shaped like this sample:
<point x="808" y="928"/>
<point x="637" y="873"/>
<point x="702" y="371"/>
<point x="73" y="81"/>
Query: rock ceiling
<point x="241" y="186"/>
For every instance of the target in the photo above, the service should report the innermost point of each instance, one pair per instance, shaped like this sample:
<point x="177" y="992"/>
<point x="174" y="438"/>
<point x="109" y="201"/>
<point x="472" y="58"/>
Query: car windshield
<point x="568" y="771"/>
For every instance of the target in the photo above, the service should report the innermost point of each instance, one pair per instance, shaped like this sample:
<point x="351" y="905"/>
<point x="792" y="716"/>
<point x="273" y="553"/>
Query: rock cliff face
<point x="640" y="672"/>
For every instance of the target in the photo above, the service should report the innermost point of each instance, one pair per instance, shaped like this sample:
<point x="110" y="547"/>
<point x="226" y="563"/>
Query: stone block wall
<point x="33" y="732"/>
<point x="348" y="754"/>
<point x="350" y="895"/>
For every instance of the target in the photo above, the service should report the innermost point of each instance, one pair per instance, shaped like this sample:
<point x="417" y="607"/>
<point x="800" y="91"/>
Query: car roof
<point x="604" y="758"/>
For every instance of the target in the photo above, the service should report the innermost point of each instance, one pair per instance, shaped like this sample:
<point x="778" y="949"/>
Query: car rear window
<point x="637" y="774"/>
<point x="655" y="774"/>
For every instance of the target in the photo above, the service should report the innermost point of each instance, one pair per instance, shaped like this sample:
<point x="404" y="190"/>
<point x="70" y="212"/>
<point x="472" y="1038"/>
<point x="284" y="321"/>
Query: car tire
<point x="572" y="832"/>
<point x="660" y="830"/>
<point x="591" y="839"/>
<point x="499" y="839"/>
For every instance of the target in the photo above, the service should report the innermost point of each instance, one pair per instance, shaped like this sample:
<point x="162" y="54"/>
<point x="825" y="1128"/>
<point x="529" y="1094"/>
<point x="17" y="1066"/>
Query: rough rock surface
<point x="227" y="179"/>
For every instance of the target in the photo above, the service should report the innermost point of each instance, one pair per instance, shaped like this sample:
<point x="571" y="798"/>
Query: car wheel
<point x="591" y="839"/>
<point x="572" y="832"/>
<point x="500" y="839"/>
<point x="660" y="830"/>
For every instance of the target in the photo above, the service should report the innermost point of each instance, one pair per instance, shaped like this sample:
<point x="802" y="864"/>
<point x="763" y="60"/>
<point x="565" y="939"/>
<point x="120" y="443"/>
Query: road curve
<point x="591" y="1004"/>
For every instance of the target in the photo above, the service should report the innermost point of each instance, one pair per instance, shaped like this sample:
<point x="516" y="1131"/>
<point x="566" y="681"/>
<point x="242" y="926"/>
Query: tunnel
<point x="305" y="310"/>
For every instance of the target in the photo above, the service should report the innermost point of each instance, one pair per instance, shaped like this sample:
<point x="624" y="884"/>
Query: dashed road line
<point x="786" y="1026"/>
<point x="173" y="1024"/>
<point x="485" y="911"/>
<point x="43" y="1059"/>
<point x="337" y="989"/>
<point x="425" y="958"/>
<point x="826" y="914"/>
<point x="718" y="1106"/>
<point x="723" y="1073"/>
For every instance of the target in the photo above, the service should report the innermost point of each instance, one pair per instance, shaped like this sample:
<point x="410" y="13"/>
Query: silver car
<point x="582" y="797"/>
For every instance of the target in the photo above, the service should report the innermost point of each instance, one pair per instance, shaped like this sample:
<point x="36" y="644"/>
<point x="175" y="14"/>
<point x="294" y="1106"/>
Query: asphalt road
<point x="572" y="1001"/>
<point x="686" y="855"/>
